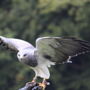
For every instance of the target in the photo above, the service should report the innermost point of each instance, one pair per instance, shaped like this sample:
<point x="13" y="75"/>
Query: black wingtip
<point x="84" y="46"/>
<point x="1" y="42"/>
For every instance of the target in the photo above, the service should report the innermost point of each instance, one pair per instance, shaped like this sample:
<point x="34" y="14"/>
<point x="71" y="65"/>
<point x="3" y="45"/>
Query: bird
<point x="47" y="52"/>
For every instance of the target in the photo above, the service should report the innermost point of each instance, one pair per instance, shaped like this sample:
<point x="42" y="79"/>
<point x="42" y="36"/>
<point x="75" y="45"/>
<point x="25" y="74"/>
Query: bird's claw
<point x="44" y="84"/>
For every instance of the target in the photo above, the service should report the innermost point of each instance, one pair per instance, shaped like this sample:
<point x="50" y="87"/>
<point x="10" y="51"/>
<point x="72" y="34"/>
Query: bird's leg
<point x="34" y="79"/>
<point x="43" y="84"/>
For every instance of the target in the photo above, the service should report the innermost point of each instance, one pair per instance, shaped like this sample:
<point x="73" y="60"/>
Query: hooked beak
<point x="21" y="58"/>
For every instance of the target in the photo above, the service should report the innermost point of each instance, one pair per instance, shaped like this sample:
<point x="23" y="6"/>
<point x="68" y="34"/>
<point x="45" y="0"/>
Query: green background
<point x="30" y="19"/>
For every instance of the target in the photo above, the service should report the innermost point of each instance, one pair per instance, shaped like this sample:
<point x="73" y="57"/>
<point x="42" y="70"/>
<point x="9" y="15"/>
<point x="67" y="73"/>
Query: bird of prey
<point x="48" y="51"/>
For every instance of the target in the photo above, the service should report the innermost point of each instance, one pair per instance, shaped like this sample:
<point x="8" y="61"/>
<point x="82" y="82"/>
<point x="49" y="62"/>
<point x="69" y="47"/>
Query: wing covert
<point x="58" y="49"/>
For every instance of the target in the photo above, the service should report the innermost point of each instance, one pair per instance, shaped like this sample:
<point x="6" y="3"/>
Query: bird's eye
<point x="25" y="55"/>
<point x="18" y="54"/>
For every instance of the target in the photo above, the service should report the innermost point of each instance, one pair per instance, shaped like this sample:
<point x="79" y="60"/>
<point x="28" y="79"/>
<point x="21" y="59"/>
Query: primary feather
<point x="58" y="49"/>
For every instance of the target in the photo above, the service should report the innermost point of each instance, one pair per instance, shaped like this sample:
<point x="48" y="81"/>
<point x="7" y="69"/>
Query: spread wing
<point x="14" y="44"/>
<point x="59" y="49"/>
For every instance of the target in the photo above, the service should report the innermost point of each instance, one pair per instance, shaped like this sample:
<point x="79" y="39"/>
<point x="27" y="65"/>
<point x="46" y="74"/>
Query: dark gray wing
<point x="60" y="49"/>
<point x="14" y="44"/>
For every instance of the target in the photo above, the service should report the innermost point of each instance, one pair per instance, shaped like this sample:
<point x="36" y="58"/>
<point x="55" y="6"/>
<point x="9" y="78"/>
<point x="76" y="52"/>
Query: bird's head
<point x="22" y="55"/>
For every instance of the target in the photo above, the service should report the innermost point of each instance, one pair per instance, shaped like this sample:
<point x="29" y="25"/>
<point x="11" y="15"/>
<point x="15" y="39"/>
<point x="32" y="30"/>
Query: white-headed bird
<point x="48" y="51"/>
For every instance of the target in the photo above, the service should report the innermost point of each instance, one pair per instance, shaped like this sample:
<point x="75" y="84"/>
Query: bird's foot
<point x="44" y="84"/>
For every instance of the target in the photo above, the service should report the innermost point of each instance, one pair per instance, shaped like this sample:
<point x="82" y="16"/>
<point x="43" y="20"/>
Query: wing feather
<point x="14" y="44"/>
<point x="60" y="48"/>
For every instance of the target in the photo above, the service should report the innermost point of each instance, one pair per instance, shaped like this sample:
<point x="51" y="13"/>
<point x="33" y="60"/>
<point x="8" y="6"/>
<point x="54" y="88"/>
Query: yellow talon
<point x="43" y="85"/>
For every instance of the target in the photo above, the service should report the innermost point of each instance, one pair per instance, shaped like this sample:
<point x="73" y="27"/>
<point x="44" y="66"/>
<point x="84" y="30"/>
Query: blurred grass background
<point x="30" y="19"/>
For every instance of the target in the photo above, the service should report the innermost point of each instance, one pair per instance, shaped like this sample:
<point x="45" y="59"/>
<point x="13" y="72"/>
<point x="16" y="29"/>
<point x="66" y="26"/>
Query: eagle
<point x="48" y="51"/>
